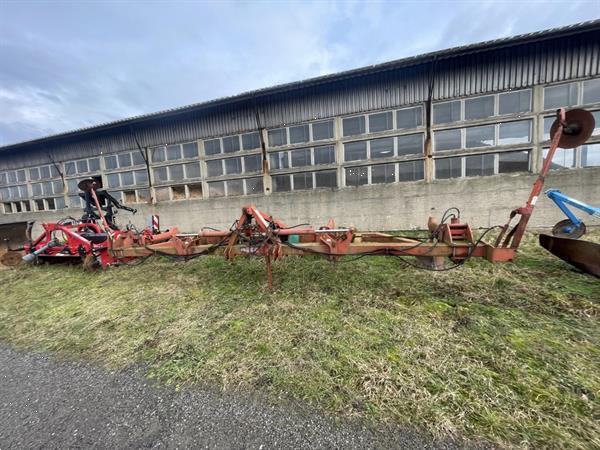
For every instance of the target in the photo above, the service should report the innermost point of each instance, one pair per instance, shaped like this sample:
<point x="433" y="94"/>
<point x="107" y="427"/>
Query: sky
<point x="71" y="64"/>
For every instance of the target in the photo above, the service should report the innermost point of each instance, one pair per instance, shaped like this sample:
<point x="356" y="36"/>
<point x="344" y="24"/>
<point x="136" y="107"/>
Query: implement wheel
<point x="566" y="229"/>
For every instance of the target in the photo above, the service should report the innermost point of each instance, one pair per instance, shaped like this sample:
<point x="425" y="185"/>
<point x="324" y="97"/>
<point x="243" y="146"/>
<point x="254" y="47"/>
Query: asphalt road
<point x="47" y="403"/>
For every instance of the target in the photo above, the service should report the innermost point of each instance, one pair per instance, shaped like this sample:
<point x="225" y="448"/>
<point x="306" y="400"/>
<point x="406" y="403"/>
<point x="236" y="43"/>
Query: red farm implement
<point x="97" y="241"/>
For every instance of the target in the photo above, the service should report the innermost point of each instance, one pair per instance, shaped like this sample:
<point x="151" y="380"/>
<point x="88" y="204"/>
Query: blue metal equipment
<point x="573" y="227"/>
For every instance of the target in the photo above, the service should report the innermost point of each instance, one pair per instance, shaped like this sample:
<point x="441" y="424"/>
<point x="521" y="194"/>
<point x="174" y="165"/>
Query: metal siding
<point x="501" y="69"/>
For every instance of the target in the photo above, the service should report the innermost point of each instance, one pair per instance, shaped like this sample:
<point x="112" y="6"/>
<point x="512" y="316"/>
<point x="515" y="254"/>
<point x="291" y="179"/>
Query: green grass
<point x="508" y="353"/>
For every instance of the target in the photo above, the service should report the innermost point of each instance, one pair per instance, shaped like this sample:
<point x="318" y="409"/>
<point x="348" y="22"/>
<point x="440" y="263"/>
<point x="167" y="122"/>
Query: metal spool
<point x="579" y="126"/>
<point x="566" y="229"/>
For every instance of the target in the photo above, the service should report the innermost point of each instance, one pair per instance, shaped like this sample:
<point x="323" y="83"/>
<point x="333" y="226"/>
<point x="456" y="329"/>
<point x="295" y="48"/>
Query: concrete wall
<point x="483" y="201"/>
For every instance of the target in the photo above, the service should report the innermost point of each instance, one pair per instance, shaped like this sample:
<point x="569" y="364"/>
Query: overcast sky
<point x="66" y="65"/>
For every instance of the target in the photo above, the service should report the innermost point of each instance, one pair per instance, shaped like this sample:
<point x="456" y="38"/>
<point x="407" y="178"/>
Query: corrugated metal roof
<point x="326" y="79"/>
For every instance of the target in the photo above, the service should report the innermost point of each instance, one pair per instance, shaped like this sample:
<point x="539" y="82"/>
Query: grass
<point x="505" y="353"/>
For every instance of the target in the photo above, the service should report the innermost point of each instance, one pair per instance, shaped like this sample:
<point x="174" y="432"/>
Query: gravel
<point x="48" y="403"/>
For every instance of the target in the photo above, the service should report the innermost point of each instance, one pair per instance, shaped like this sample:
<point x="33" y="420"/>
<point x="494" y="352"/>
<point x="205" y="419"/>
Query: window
<point x="303" y="180"/>
<point x="141" y="177"/>
<point x="129" y="197"/>
<point x="195" y="190"/>
<point x="447" y="112"/>
<point x="216" y="189"/>
<point x="281" y="183"/>
<point x="176" y="172"/>
<point x="214" y="168"/>
<point x="326" y="178"/>
<point x="279" y="160"/>
<point x="480" y="136"/>
<point x="44" y="174"/>
<point x="448" y="168"/>
<point x="233" y="165"/>
<point x="160" y="175"/>
<point x="39" y="205"/>
<point x="301" y="157"/>
<point x="590" y="155"/>
<point x="591" y="91"/>
<point x="252" y="163"/>
<point x="250" y="141"/>
<point x="596" y="131"/>
<point x="513" y="162"/>
<point x="385" y="173"/>
<point x="514" y="102"/>
<point x="231" y="144"/>
<point x="324" y="155"/>
<point x="479" y="107"/>
<point x="410" y="171"/>
<point x="561" y="96"/>
<point x="410" y="144"/>
<point x="82" y="166"/>
<point x="356" y="176"/>
<point x="380" y="122"/>
<point x="192" y="170"/>
<point x="212" y="147"/>
<point x="354" y="125"/>
<point x="254" y="186"/>
<point x="277" y="137"/>
<point x="124" y="159"/>
<point x="563" y="158"/>
<point x="355" y="151"/>
<point x="110" y="162"/>
<point x="514" y="132"/>
<point x="173" y="152"/>
<point x="299" y="134"/>
<point x="235" y="187"/>
<point x="409" y="118"/>
<point x="322" y="130"/>
<point x="137" y="158"/>
<point x="113" y="179"/>
<point x="34" y="174"/>
<point x="447" y="140"/>
<point x="162" y="194"/>
<point x="74" y="201"/>
<point x="190" y="150"/>
<point x="127" y="178"/>
<point x="382" y="148"/>
<point x="479" y="165"/>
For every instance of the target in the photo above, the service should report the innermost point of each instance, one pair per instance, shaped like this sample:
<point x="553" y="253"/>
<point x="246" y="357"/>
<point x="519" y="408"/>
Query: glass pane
<point x="479" y="108"/>
<point x="3" y="177"/>
<point x="252" y="163"/>
<point x="176" y="172"/>
<point x="127" y="179"/>
<point x="356" y="176"/>
<point x="324" y="155"/>
<point x="382" y="148"/>
<point x="480" y="136"/>
<point x="12" y="176"/>
<point x="82" y="166"/>
<point x="51" y="204"/>
<point x="46" y="188"/>
<point x="72" y="186"/>
<point x="515" y="132"/>
<point x="301" y="157"/>
<point x="74" y="201"/>
<point x="410" y="171"/>
<point x="69" y="170"/>
<point x="53" y="171"/>
<point x="192" y="170"/>
<point x="479" y="165"/>
<point x="560" y="96"/>
<point x="94" y="164"/>
<point x="514" y="102"/>
<point x="326" y="178"/>
<point x="590" y="155"/>
<point x="513" y="162"/>
<point x="190" y="150"/>
<point x="58" y="187"/>
<point x="59" y="203"/>
<point x="447" y="140"/>
<point x="281" y="183"/>
<point x="409" y="118"/>
<point x="214" y="168"/>
<point x="277" y="137"/>
<point x="235" y="187"/>
<point x="110" y="162"/>
<point x="137" y="158"/>
<point x="212" y="147"/>
<point x="448" y="168"/>
<point x="160" y="174"/>
<point x="216" y="189"/>
<point x="23" y="191"/>
<point x="36" y="189"/>
<point x="548" y="121"/>
<point x="303" y="181"/>
<point x="322" y="130"/>
<point x="380" y="122"/>
<point x="563" y="158"/>
<point x="279" y="160"/>
<point x="354" y="125"/>
<point x="355" y="151"/>
<point x="162" y="194"/>
<point x="446" y="112"/>
<point x="299" y="134"/>
<point x="141" y="177"/>
<point x="39" y="205"/>
<point x="591" y="91"/>
<point x="143" y="195"/>
<point x="411" y="144"/>
<point x="384" y="173"/>
<point x="14" y="190"/>
<point x="44" y="173"/>
<point x="233" y="165"/>
<point x="254" y="186"/>
<point x="231" y="144"/>
<point x="124" y="159"/>
<point x="250" y="141"/>
<point x="173" y="152"/>
<point x="21" y="176"/>
<point x="596" y="131"/>
<point x="112" y="180"/>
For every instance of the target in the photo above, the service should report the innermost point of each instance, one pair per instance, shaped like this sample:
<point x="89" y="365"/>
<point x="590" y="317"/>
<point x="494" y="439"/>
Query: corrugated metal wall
<point x="509" y="68"/>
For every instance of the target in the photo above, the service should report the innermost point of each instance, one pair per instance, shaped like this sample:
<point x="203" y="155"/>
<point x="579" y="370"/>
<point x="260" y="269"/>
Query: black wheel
<point x="566" y="229"/>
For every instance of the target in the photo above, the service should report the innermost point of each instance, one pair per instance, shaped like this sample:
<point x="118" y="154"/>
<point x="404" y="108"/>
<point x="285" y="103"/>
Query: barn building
<point x="380" y="147"/>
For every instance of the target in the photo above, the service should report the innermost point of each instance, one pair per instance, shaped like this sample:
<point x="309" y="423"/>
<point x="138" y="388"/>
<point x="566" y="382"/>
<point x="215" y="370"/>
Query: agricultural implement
<point x="97" y="241"/>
